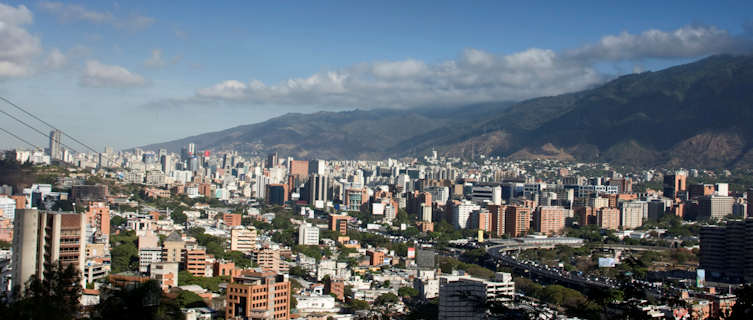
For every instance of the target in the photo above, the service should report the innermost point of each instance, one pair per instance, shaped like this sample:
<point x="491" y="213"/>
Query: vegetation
<point x="209" y="283"/>
<point x="145" y="301"/>
<point x="54" y="297"/>
<point x="125" y="252"/>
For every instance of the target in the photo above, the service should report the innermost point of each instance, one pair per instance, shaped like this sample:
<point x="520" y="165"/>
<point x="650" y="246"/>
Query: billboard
<point x="607" y="262"/>
<point x="700" y="277"/>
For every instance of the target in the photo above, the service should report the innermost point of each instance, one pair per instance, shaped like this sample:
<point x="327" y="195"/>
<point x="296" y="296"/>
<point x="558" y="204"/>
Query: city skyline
<point x="115" y="68"/>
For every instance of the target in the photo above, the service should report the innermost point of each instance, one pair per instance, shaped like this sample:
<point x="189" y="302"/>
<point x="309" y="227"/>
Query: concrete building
<point x="258" y="295"/>
<point x="339" y="223"/>
<point x="98" y="218"/>
<point x="715" y="207"/>
<point x="517" y="220"/>
<point x="308" y="235"/>
<point x="172" y="248"/>
<point x="195" y="261"/>
<point x="609" y="218"/>
<point x="549" y="219"/>
<point x="631" y="214"/>
<point x="464" y="297"/>
<point x="42" y="238"/>
<point x="727" y="251"/>
<point x="268" y="259"/>
<point x="674" y="184"/>
<point x="461" y="213"/>
<point x="148" y="256"/>
<point x="497" y="219"/>
<point x="231" y="219"/>
<point x="243" y="239"/>
<point x="7" y="208"/>
<point x="56" y="152"/>
<point x="164" y="272"/>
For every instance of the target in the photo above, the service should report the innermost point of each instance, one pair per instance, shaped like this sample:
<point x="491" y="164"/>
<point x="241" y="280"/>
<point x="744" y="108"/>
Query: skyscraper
<point x="42" y="238"/>
<point x="55" y="152"/>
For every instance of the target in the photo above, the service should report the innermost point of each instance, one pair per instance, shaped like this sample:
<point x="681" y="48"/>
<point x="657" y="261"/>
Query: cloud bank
<point x="475" y="75"/>
<point x="17" y="46"/>
<point x="97" y="74"/>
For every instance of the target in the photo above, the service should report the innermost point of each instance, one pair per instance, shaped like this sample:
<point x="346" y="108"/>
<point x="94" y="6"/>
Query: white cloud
<point x="97" y="74"/>
<point x="155" y="60"/>
<point x="73" y="12"/>
<point x="688" y="41"/>
<point x="18" y="47"/>
<point x="474" y="76"/>
<point x="55" y="59"/>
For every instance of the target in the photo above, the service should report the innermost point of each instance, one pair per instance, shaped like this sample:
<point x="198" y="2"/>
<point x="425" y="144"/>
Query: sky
<point x="131" y="73"/>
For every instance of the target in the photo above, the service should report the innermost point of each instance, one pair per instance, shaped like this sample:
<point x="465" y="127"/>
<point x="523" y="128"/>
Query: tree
<point x="145" y="301"/>
<point x="55" y="296"/>
<point x="125" y="257"/>
<point x="407" y="292"/>
<point x="743" y="308"/>
<point x="356" y="304"/>
<point x="188" y="299"/>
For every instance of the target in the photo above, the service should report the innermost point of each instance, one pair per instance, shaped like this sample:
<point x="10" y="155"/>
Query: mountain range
<point x="693" y="115"/>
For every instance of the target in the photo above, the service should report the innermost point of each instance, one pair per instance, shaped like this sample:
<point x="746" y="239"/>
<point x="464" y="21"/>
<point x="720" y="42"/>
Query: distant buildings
<point x="517" y="220"/>
<point x="242" y="239"/>
<point x="549" y="219"/>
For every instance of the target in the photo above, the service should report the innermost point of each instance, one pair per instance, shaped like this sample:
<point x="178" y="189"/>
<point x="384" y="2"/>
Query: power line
<point x="33" y="128"/>
<point x="19" y="138"/>
<point x="54" y="128"/>
<point x="48" y="124"/>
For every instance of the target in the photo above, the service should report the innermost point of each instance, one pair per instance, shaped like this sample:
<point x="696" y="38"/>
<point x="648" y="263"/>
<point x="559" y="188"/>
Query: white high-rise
<point x="308" y="235"/>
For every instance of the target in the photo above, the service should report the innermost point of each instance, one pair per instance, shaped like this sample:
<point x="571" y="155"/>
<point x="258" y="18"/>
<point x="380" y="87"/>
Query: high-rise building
<point x="98" y="218"/>
<point x="674" y="184"/>
<point x="272" y="160"/>
<point x="42" y="238"/>
<point x="56" y="153"/>
<point x="308" y="234"/>
<point x="498" y="219"/>
<point x="716" y="207"/>
<point x="318" y="188"/>
<point x="7" y="208"/>
<point x="549" y="219"/>
<point x="461" y="213"/>
<point x="727" y="251"/>
<point x="586" y="216"/>
<point x="464" y="297"/>
<point x="299" y="168"/>
<point x="609" y="218"/>
<point x="191" y="149"/>
<point x="243" y="239"/>
<point x="231" y="219"/>
<point x="631" y="214"/>
<point x="258" y="295"/>
<point x="517" y="220"/>
<point x="268" y="259"/>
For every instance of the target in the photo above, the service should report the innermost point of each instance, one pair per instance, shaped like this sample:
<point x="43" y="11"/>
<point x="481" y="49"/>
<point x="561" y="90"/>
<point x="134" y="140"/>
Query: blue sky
<point x="133" y="73"/>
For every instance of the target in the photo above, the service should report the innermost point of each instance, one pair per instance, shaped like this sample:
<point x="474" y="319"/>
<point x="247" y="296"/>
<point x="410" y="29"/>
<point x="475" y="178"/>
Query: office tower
<point x="727" y="251"/>
<point x="716" y="207"/>
<point x="549" y="219"/>
<point x="42" y="238"/>
<point x="464" y="297"/>
<point x="609" y="218"/>
<point x="427" y="213"/>
<point x="318" y="187"/>
<point x="355" y="198"/>
<point x="243" y="239"/>
<point x="56" y="153"/>
<point x="299" y="168"/>
<point x="258" y="295"/>
<point x="674" y="184"/>
<point x="482" y="220"/>
<point x="317" y="167"/>
<point x="191" y="149"/>
<point x="517" y="220"/>
<point x="308" y="235"/>
<point x="339" y="223"/>
<point x="148" y="256"/>
<point x="656" y="209"/>
<point x="172" y="248"/>
<point x="272" y="160"/>
<point x="277" y="194"/>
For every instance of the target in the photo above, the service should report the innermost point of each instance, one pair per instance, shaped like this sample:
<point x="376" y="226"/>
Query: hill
<point x="698" y="114"/>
